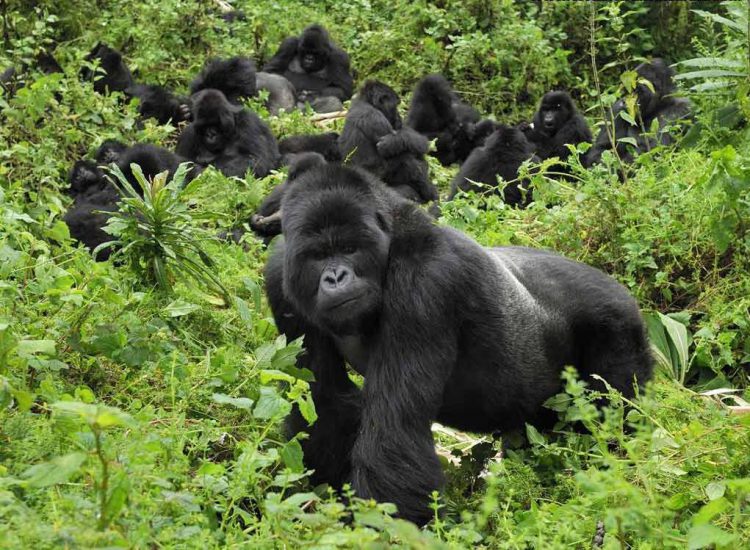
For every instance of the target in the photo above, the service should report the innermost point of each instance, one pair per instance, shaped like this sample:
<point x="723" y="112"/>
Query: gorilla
<point x="234" y="77"/>
<point x="316" y="67"/>
<point x="158" y="103"/>
<point x="658" y="105"/>
<point x="281" y="93"/>
<point x="92" y="192"/>
<point x="503" y="153"/>
<point x="88" y="177"/>
<point x="437" y="112"/>
<point x="227" y="136"/>
<point x="117" y="76"/>
<point x="373" y="139"/>
<point x="266" y="222"/>
<point x="441" y="328"/>
<point x="326" y="144"/>
<point x="12" y="79"/>
<point x="557" y="123"/>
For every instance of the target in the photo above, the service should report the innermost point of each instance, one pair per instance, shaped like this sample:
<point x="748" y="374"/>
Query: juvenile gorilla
<point x="440" y="327"/>
<point x="503" y="153"/>
<point x="373" y="139"/>
<point x="227" y="136"/>
<point x="437" y="113"/>
<point x="658" y="105"/>
<point x="556" y="124"/>
<point x="316" y="67"/>
<point x="116" y="77"/>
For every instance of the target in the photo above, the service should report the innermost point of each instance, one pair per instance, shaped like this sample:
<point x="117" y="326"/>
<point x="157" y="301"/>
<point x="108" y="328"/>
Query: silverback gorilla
<point x="440" y="327"/>
<point x="317" y="68"/>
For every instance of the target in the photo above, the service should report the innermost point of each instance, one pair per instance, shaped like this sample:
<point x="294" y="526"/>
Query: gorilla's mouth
<point x="346" y="300"/>
<point x="549" y="124"/>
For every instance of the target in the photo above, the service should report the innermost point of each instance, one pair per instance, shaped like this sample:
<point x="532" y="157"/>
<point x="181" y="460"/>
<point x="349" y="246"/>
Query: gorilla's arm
<point x="337" y="399"/>
<point x="283" y="56"/>
<point x="188" y="144"/>
<point x="394" y="456"/>
<point x="339" y="75"/>
<point x="677" y="109"/>
<point x="574" y="131"/>
<point x="405" y="140"/>
<point x="370" y="122"/>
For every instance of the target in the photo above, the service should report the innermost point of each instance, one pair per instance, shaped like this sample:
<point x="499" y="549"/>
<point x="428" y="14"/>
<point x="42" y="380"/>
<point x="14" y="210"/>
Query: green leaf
<point x="239" y="402"/>
<point x="307" y="409"/>
<point x="715" y="490"/>
<point x="57" y="470"/>
<point x="271" y="404"/>
<point x="108" y="417"/>
<point x="28" y="348"/>
<point x="534" y="437"/>
<point x="291" y="454"/>
<point x="681" y="339"/>
<point x="710" y="73"/>
<point x="704" y="535"/>
<point x="179" y="308"/>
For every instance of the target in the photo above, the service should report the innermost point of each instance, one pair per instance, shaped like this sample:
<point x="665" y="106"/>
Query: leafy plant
<point x="157" y="235"/>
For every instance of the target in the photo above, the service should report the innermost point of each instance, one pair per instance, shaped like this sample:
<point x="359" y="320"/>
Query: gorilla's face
<point x="387" y="103"/>
<point x="336" y="254"/>
<point x="555" y="110"/>
<point x="214" y="119"/>
<point x="313" y="51"/>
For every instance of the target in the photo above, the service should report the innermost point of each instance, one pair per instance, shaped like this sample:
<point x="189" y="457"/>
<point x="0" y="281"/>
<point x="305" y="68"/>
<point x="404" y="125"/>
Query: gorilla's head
<point x="509" y="142"/>
<point x="314" y="48"/>
<point x="336" y="229"/>
<point x="384" y="99"/>
<point x="436" y="89"/>
<point x="214" y="119"/>
<point x="117" y="76"/>
<point x="659" y="74"/>
<point x="554" y="111"/>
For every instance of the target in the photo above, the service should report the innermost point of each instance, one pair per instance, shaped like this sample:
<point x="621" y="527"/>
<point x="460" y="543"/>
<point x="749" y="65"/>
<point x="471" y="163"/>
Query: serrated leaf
<point x="291" y="454"/>
<point x="271" y="405"/>
<point x="307" y="409"/>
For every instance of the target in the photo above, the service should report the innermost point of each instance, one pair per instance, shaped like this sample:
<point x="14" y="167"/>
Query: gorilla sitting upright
<point x="440" y="327"/>
<point x="317" y="68"/>
<point x="373" y="138"/>
<point x="227" y="136"/>
<point x="658" y="105"/>
<point x="557" y="123"/>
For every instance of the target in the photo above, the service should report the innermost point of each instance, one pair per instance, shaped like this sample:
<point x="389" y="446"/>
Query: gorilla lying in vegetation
<point x="437" y="113"/>
<point x="317" y="68"/>
<point x="653" y="106"/>
<point x="440" y="327"/>
<point x="502" y="155"/>
<point x="556" y="124"/>
<point x="373" y="139"/>
<point x="227" y="136"/>
<point x="91" y="191"/>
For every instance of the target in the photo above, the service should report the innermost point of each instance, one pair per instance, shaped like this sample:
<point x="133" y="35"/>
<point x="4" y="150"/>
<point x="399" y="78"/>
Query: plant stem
<point x="104" y="483"/>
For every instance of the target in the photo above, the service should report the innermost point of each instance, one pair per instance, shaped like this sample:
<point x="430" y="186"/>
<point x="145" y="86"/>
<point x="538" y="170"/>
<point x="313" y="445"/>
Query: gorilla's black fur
<point x="317" y="68"/>
<point x="437" y="112"/>
<point x="659" y="105"/>
<point x="158" y="103"/>
<point x="326" y="144"/>
<point x="373" y="138"/>
<point x="502" y="154"/>
<point x="116" y="77"/>
<point x="557" y="123"/>
<point x="440" y="327"/>
<point x="227" y="136"/>
<point x="266" y="222"/>
<point x="234" y="77"/>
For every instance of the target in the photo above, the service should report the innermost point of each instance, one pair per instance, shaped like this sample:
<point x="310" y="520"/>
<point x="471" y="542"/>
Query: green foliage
<point x="150" y="415"/>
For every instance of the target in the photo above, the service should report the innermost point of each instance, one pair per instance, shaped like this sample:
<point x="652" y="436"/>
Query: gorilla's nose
<point x="336" y="278"/>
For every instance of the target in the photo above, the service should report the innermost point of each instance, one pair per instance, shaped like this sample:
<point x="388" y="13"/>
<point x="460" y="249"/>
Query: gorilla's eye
<point x="348" y="249"/>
